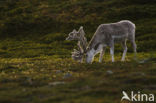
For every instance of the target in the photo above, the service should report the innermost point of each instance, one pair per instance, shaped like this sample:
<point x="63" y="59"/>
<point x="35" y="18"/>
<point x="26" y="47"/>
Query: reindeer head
<point x="90" y="55"/>
<point x="91" y="51"/>
<point x="76" y="35"/>
<point x="79" y="35"/>
<point x="73" y="35"/>
<point x="77" y="55"/>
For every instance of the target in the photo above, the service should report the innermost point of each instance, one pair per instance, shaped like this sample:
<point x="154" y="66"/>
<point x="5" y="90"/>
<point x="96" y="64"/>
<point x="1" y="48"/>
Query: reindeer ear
<point x="81" y="31"/>
<point x="81" y="28"/>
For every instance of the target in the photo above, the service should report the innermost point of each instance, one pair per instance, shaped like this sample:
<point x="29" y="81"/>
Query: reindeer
<point x="108" y="35"/>
<point x="82" y="43"/>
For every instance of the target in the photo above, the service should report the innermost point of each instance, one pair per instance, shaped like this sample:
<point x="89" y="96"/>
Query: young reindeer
<point x="82" y="43"/>
<point x="107" y="35"/>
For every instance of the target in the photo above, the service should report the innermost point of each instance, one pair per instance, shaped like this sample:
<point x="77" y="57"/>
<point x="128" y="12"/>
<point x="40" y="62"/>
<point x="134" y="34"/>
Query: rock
<point x="86" y="87"/>
<point x="58" y="71"/>
<point x="147" y="60"/>
<point x="138" y="73"/>
<point x="67" y="75"/>
<point x="109" y="72"/>
<point x="24" y="90"/>
<point x="143" y="61"/>
<point x="56" y="83"/>
<point x="143" y="74"/>
<point x="30" y="81"/>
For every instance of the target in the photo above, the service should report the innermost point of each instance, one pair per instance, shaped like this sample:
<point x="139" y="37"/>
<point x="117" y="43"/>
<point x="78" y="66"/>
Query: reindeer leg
<point x="125" y="50"/>
<point x="135" y="51"/>
<point x="134" y="47"/>
<point x="101" y="54"/>
<point x="81" y="61"/>
<point x="112" y="50"/>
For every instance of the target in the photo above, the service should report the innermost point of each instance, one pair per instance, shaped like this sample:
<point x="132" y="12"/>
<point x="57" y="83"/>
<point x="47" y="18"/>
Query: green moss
<point x="31" y="80"/>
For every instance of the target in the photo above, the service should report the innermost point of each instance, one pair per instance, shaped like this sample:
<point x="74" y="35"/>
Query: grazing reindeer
<point x="82" y="43"/>
<point x="107" y="35"/>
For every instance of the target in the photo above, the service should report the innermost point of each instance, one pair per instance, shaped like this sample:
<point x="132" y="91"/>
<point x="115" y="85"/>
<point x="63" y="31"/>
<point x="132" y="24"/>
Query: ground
<point x="48" y="79"/>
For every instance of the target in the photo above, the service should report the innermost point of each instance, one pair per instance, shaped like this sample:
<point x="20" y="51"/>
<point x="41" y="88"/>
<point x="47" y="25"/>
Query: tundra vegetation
<point x="35" y="59"/>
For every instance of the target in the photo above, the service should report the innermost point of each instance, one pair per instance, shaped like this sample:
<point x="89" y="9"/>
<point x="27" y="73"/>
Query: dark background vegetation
<point x="46" y="23"/>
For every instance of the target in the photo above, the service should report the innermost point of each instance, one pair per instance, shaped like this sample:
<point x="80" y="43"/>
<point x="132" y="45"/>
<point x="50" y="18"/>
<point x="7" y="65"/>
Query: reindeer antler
<point x="73" y="35"/>
<point x="78" y="54"/>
